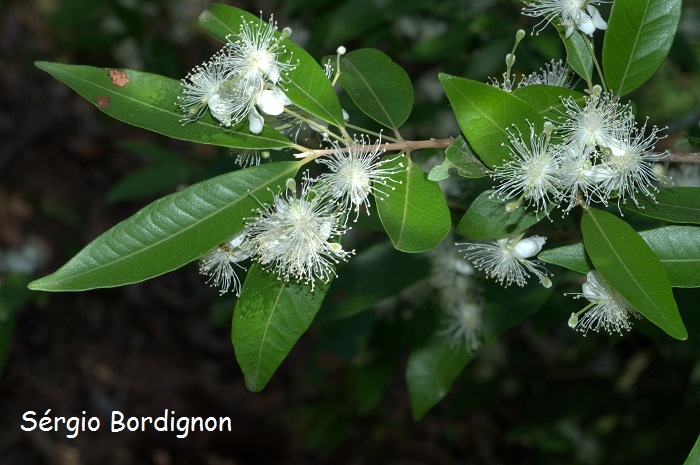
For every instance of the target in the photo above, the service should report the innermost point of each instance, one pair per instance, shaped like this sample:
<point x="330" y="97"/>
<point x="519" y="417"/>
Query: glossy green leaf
<point x="578" y="56"/>
<point x="572" y="257"/>
<point x="639" y="36"/>
<point x="676" y="204"/>
<point x="307" y="84"/>
<point x="415" y="214"/>
<point x="484" y="112"/>
<point x="270" y="316"/>
<point x="148" y="101"/>
<point x="374" y="274"/>
<point x="431" y="370"/>
<point x="631" y="267"/>
<point x="678" y="248"/>
<point x="694" y="456"/>
<point x="460" y="157"/>
<point x="487" y="218"/>
<point x="547" y="99"/>
<point x="170" y="232"/>
<point x="378" y="86"/>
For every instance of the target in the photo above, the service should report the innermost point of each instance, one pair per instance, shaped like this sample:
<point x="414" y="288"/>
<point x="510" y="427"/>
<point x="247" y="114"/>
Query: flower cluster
<point x="297" y="236"/>
<point x="579" y="15"/>
<point x="601" y="154"/>
<point x="607" y="309"/>
<point x="244" y="79"/>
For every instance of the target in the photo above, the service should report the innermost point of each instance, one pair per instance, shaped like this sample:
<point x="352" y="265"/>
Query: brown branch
<point x="403" y="145"/>
<point x="681" y="158"/>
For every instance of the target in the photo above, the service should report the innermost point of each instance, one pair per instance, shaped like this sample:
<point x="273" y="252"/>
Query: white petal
<point x="270" y="102"/>
<point x="598" y="20"/>
<point x="585" y="24"/>
<point x="529" y="247"/>
<point x="255" y="121"/>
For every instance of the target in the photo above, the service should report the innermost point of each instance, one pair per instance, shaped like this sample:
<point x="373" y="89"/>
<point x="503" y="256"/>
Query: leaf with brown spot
<point x="119" y="78"/>
<point x="103" y="102"/>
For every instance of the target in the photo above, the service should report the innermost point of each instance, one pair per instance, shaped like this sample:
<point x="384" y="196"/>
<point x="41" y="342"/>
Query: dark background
<point x="539" y="395"/>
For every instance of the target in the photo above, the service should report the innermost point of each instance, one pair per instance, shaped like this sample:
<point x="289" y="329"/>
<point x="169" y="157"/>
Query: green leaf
<point x="487" y="218"/>
<point x="415" y="214"/>
<point x="678" y="248"/>
<point x="578" y="56"/>
<point x="378" y="86"/>
<point x="270" y="316"/>
<point x="307" y="84"/>
<point x="148" y="101"/>
<point x="374" y="274"/>
<point x="484" y="112"/>
<point x="170" y="232"/>
<point x="547" y="100"/>
<point x="461" y="157"/>
<point x="431" y="370"/>
<point x="694" y="456"/>
<point x="639" y="36"/>
<point x="572" y="257"/>
<point x="677" y="204"/>
<point x="630" y="267"/>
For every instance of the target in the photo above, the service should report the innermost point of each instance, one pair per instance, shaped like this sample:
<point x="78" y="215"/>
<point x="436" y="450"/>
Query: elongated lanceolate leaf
<point x="378" y="86"/>
<point x="630" y="267"/>
<point x="677" y="204"/>
<point x="431" y="370"/>
<point x="638" y="39"/>
<point x="270" y="316"/>
<point x="149" y="101"/>
<point x="306" y="85"/>
<point x="487" y="218"/>
<point x="678" y="249"/>
<point x="578" y="56"/>
<point x="485" y="112"/>
<point x="415" y="214"/>
<point x="694" y="456"/>
<point x="170" y="232"/>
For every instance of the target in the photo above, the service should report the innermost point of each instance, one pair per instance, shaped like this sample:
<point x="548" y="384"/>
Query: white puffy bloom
<point x="507" y="260"/>
<point x="581" y="15"/>
<point x="600" y="123"/>
<point x="531" y="174"/>
<point x="460" y="296"/>
<point x="296" y="237"/>
<point x="271" y="102"/>
<point x="219" y="264"/>
<point x="579" y="178"/>
<point x="255" y="52"/>
<point x="607" y="309"/>
<point x="204" y="88"/>
<point x="555" y="73"/>
<point x="630" y="165"/>
<point x="356" y="172"/>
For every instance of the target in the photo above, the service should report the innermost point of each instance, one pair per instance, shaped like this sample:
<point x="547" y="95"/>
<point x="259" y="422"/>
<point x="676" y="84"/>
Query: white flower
<point x="356" y="172"/>
<point x="203" y="89"/>
<point x="219" y="263"/>
<point x="531" y="174"/>
<point x="295" y="237"/>
<point x="600" y="123"/>
<point x="607" y="309"/>
<point x="255" y="52"/>
<point x="580" y="179"/>
<point x="506" y="260"/>
<point x="462" y="324"/>
<point x="556" y="73"/>
<point x="630" y="164"/>
<point x="269" y="101"/>
<point x="579" y="15"/>
<point x="250" y="157"/>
